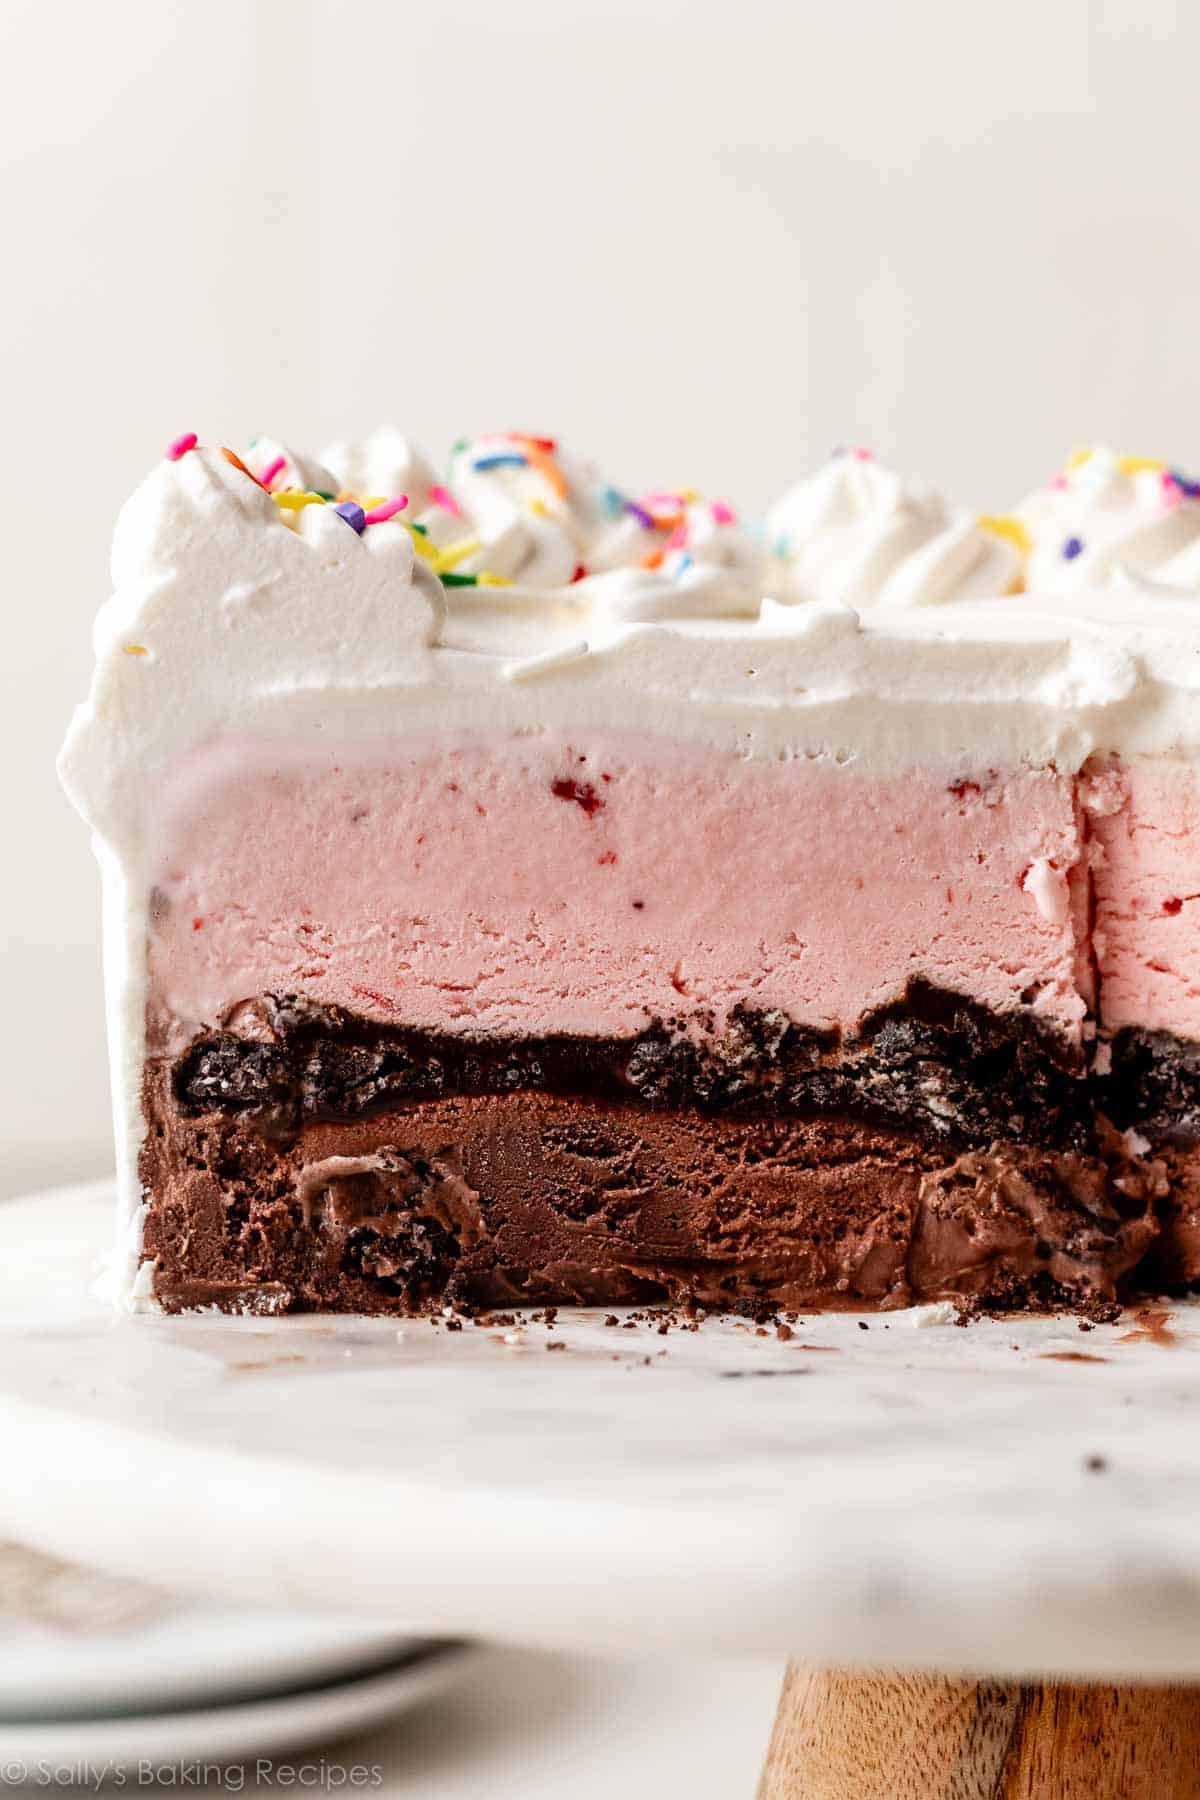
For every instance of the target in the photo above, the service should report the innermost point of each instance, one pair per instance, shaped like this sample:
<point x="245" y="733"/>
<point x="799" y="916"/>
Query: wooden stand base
<point x="927" y="1737"/>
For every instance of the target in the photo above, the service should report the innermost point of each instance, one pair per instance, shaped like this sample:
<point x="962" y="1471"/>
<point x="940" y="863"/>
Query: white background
<point x="705" y="241"/>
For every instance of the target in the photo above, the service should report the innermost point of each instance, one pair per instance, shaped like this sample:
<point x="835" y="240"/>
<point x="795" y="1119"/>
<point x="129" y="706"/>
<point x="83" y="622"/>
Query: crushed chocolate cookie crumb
<point x="944" y="1121"/>
<point x="931" y="1061"/>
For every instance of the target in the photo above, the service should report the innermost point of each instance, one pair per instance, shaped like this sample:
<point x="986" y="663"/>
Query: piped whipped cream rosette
<point x="517" y="506"/>
<point x="519" y="512"/>
<point x="385" y="462"/>
<point x="858" y="534"/>
<point x="1107" y="518"/>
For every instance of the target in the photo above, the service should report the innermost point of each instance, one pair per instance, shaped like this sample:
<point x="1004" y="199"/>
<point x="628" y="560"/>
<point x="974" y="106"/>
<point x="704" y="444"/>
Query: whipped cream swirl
<point x="856" y="534"/>
<point x="1106" y="518"/>
<point x="519" y="512"/>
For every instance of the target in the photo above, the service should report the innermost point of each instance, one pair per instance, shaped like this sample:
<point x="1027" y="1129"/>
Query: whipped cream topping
<point x="242" y="608"/>
<point x="857" y="534"/>
<point x="1106" y="519"/>
<point x="266" y="608"/>
<point x="219" y="593"/>
<point x="519" y="510"/>
<point x="245" y="589"/>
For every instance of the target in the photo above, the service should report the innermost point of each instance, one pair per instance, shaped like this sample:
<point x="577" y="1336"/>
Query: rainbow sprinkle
<point x="500" y="459"/>
<point x="1009" y="527"/>
<point x="540" y="459"/>
<point x="1072" y="548"/>
<point x="645" y="519"/>
<point x="449" y="578"/>
<point x="445" y="499"/>
<point x="232" y="457"/>
<point x="274" y="468"/>
<point x="387" y="509"/>
<point x="181" y="445"/>
<point x="353" y="514"/>
<point x="453" y="554"/>
<point x="722" y="513"/>
<point x="292" y="501"/>
<point x="1138" y="465"/>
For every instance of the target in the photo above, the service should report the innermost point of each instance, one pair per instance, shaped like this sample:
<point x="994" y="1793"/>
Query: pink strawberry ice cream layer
<point x="528" y="885"/>
<point x="1145" y="825"/>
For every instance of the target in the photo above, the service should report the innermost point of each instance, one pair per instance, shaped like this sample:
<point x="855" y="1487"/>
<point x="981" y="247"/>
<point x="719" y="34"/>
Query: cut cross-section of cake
<point x="506" y="904"/>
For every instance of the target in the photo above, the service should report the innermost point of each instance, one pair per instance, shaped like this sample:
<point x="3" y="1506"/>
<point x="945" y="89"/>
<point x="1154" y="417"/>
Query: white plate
<point x="75" y="1752"/>
<point x="74" y="1641"/>
<point x="1016" y="1497"/>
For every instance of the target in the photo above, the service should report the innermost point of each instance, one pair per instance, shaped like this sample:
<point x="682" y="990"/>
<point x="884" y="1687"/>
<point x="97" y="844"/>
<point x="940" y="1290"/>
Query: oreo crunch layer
<point x="312" y="1159"/>
<point x="935" y="1064"/>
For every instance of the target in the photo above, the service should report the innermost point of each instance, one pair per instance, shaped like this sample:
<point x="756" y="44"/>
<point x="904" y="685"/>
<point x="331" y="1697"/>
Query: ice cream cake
<point x="523" y="890"/>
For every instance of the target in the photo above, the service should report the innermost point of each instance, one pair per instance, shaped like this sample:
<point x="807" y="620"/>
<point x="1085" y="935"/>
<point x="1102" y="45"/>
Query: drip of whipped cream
<point x="856" y="534"/>
<point x="1106" y="517"/>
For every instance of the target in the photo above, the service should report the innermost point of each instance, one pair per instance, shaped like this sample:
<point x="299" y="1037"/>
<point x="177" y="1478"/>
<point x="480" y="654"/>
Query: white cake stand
<point x="1006" y="1501"/>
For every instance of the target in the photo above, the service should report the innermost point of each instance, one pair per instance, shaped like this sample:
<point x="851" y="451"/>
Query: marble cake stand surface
<point x="878" y="1491"/>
